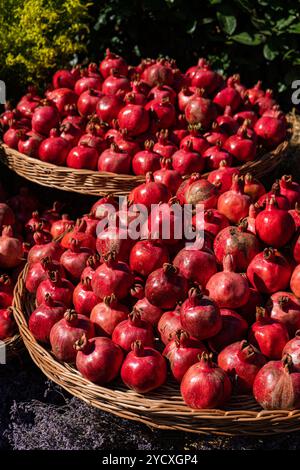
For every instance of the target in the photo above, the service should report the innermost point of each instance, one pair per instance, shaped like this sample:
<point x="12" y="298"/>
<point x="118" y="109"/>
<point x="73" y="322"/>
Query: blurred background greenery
<point x="257" y="38"/>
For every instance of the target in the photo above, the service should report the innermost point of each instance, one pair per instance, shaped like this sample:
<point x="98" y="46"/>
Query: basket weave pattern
<point x="163" y="408"/>
<point x="97" y="183"/>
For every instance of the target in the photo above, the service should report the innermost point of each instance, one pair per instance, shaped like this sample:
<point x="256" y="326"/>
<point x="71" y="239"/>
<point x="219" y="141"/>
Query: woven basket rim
<point x="100" y="183"/>
<point x="163" y="408"/>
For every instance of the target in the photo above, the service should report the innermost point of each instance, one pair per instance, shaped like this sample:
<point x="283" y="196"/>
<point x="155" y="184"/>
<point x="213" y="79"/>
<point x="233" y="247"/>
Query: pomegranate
<point x="54" y="149"/>
<point x="254" y="93"/>
<point x="44" y="248"/>
<point x="165" y="287"/>
<point x="290" y="189"/>
<point x="277" y="386"/>
<point x="84" y="299"/>
<point x="114" y="160"/>
<point x="295" y="213"/>
<point x="295" y="281"/>
<point x="62" y="98"/>
<point x="108" y="107"/>
<point x="98" y="359"/>
<point x="269" y="335"/>
<point x="234" y="328"/>
<point x="215" y="155"/>
<point x="228" y="96"/>
<point x="205" y="385"/>
<point x="60" y="289"/>
<point x="162" y="113"/>
<point x="234" y="204"/>
<point x="107" y="314"/>
<point x="111" y="62"/>
<point x="228" y="289"/>
<point x="149" y="193"/>
<point x="147" y="256"/>
<point x="133" y="329"/>
<point x="149" y="312"/>
<point x="213" y="222"/>
<point x="254" y="188"/>
<point x="82" y="157"/>
<point x="163" y="146"/>
<point x="275" y="193"/>
<point x="201" y="191"/>
<point x="144" y="369"/>
<point x="188" y="261"/>
<point x="270" y="130"/>
<point x="200" y="315"/>
<point x="186" y="161"/>
<point x="239" y="243"/>
<point x="112" y="277"/>
<point x="206" y="78"/>
<point x="146" y="160"/>
<point x="8" y="326"/>
<point x="285" y="308"/>
<point x="241" y="145"/>
<point x="74" y="259"/>
<point x="241" y="361"/>
<point x="79" y="233"/>
<point x="292" y="348"/>
<point x="7" y="216"/>
<point x="182" y="352"/>
<point x="200" y="110"/>
<point x="29" y="144"/>
<point x="168" y="176"/>
<point x="199" y="143"/>
<point x="134" y="118"/>
<point x="11" y="249"/>
<point x="274" y="226"/>
<point x="168" y="324"/>
<point x="6" y="291"/>
<point x="89" y="79"/>
<point x="184" y="95"/>
<point x="44" y="317"/>
<point x="269" y="271"/>
<point x="66" y="332"/>
<point x="158" y="73"/>
<point x="247" y="311"/>
<point x="38" y="272"/>
<point x="44" y="119"/>
<point x="59" y="227"/>
<point x="65" y="78"/>
<point x="88" y="101"/>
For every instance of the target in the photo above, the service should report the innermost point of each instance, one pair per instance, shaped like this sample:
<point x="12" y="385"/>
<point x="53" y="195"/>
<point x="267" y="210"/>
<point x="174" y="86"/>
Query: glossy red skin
<point x="164" y="148"/>
<point x="200" y="317"/>
<point x="241" y="148"/>
<point x="291" y="190"/>
<point x="74" y="262"/>
<point x="293" y="349"/>
<point x="43" y="318"/>
<point x="163" y="224"/>
<point x="183" y="98"/>
<point x="295" y="281"/>
<point x="134" y="118"/>
<point x="241" y="368"/>
<point x="108" y="108"/>
<point x="61" y="291"/>
<point x="127" y="144"/>
<point x="63" y="79"/>
<point x="287" y="313"/>
<point x="60" y="226"/>
<point x="12" y="138"/>
<point x="6" y="299"/>
<point x="144" y="373"/>
<point x="149" y="193"/>
<point x="242" y="245"/>
<point x="214" y="222"/>
<point x="275" y="389"/>
<point x="37" y="273"/>
<point x="26" y="106"/>
<point x="271" y="131"/>
<point x="44" y="119"/>
<point x="205" y="386"/>
<point x="255" y="189"/>
<point x="115" y="278"/>
<point x="106" y="317"/>
<point x="29" y="146"/>
<point x="234" y="205"/>
<point x="199" y="144"/>
<point x="222" y="177"/>
<point x="213" y="156"/>
<point x="247" y="311"/>
<point x="145" y="161"/>
<point x="269" y="336"/>
<point x="217" y="138"/>
<point x="149" y="312"/>
<point x="168" y="324"/>
<point x="82" y="157"/>
<point x="169" y="177"/>
<point x="187" y="162"/>
<point x="275" y="227"/>
<point x="200" y="110"/>
<point x="281" y="200"/>
<point x="234" y="328"/>
<point x="207" y="79"/>
<point x="249" y="115"/>
<point x="162" y="91"/>
<point x="128" y="331"/>
<point x="228" y="289"/>
<point x="202" y="192"/>
<point x="296" y="247"/>
<point x="112" y="62"/>
<point x="112" y="239"/>
<point x="188" y="261"/>
<point x="114" y="162"/>
<point x="7" y="324"/>
<point x="269" y="276"/>
<point x="54" y="150"/>
<point x="88" y="101"/>
<point x="147" y="256"/>
<point x="85" y="240"/>
<point x="84" y="299"/>
<point x="85" y="83"/>
<point x="62" y="97"/>
<point x="296" y="216"/>
<point x="11" y="249"/>
<point x="101" y="362"/>
<point x="228" y="96"/>
<point x="182" y="355"/>
<point x="162" y="114"/>
<point x="64" y="334"/>
<point x="165" y="290"/>
<point x="158" y="74"/>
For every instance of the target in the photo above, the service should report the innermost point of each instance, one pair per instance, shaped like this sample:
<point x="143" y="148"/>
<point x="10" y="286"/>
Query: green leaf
<point x="284" y="22"/>
<point x="245" y="38"/>
<point x="227" y="22"/>
<point x="294" y="28"/>
<point x="269" y="52"/>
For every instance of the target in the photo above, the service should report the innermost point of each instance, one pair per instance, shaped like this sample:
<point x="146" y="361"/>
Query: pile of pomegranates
<point x="124" y="119"/>
<point x="217" y="312"/>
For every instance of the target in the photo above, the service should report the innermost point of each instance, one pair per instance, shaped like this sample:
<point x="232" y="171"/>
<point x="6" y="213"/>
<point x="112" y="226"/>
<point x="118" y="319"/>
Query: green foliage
<point x="259" y="38"/>
<point x="36" y="36"/>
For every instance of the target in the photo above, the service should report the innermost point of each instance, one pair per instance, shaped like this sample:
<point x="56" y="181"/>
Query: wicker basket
<point x="13" y="347"/>
<point x="162" y="409"/>
<point x="100" y="183"/>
